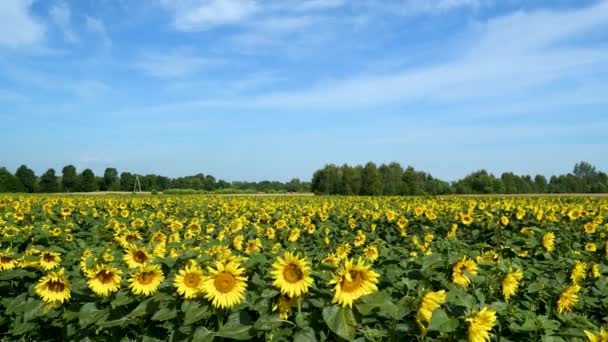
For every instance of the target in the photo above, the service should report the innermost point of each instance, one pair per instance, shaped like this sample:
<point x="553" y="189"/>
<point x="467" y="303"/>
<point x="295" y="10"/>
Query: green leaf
<point x="441" y="322"/>
<point x="148" y="306"/>
<point x="90" y="314"/>
<point x="122" y="298"/>
<point x="341" y="321"/>
<point x="203" y="334"/>
<point x="16" y="273"/>
<point x="234" y="329"/>
<point x="194" y="312"/>
<point x="164" y="314"/>
<point x="305" y="335"/>
<point x="22" y="327"/>
<point x="268" y="323"/>
<point x="380" y="302"/>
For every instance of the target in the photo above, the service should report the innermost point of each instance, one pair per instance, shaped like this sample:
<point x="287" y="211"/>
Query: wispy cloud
<point x="312" y="5"/>
<point x="61" y="15"/>
<point x="204" y="14"/>
<point x="172" y="64"/>
<point x="97" y="27"/>
<point x="18" y="27"/>
<point x="418" y="7"/>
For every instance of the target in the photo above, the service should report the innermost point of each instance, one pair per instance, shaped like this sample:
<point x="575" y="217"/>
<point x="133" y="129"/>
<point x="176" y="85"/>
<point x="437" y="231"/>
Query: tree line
<point x="393" y="179"/>
<point x="25" y="180"/>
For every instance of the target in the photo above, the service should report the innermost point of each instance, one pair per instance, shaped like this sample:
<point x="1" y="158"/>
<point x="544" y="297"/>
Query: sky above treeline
<point x="275" y="89"/>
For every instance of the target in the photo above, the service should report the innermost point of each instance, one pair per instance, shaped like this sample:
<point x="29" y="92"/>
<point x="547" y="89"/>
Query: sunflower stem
<point x="299" y="305"/>
<point x="220" y="320"/>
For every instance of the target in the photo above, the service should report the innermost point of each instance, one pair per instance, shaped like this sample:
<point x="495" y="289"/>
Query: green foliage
<point x="69" y="179"/>
<point x="27" y="177"/>
<point x="9" y="182"/>
<point x="48" y="181"/>
<point x="88" y="182"/>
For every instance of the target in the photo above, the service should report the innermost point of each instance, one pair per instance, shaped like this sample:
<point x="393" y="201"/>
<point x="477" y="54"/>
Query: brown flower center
<point x="55" y="286"/>
<point x="140" y="257"/>
<point x="146" y="278"/>
<point x="292" y="273"/>
<point x="48" y="257"/>
<point x="224" y="282"/>
<point x="356" y="279"/>
<point x="192" y="280"/>
<point x="5" y="260"/>
<point x="105" y="277"/>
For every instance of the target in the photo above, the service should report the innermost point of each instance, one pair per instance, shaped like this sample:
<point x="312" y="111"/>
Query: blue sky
<point x="275" y="89"/>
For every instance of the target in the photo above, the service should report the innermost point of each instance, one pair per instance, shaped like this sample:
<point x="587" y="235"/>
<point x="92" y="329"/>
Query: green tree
<point x="27" y="177"/>
<point x="127" y="181"/>
<point x="540" y="184"/>
<point x="371" y="180"/>
<point x="69" y="179"/>
<point x="88" y="182"/>
<point x="9" y="182"/>
<point x="110" y="181"/>
<point x="48" y="181"/>
<point x="347" y="183"/>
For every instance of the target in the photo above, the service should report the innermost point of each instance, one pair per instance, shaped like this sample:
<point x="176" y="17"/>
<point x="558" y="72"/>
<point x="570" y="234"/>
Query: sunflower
<point x="49" y="260"/>
<point x="343" y="250"/>
<point x="480" y="325"/>
<point x="253" y="246"/>
<point x="579" y="272"/>
<point x="225" y="285"/>
<point x="237" y="242"/>
<point x="390" y="215"/>
<point x="291" y="275"/>
<point x="504" y="220"/>
<point x="511" y="282"/>
<point x="331" y="259"/>
<point x="7" y="260"/>
<point x="188" y="281"/>
<point x="568" y="299"/>
<point x="147" y="280"/>
<point x="104" y="280"/>
<point x="403" y="222"/>
<point x="595" y="271"/>
<point x="430" y="302"/>
<point x="54" y="287"/>
<point x="270" y="234"/>
<point x="466" y="219"/>
<point x="549" y="241"/>
<point x="136" y="257"/>
<point x="573" y="214"/>
<point x="460" y="270"/>
<point x="590" y="247"/>
<point x="371" y="253"/>
<point x="602" y="337"/>
<point x="284" y="305"/>
<point x="359" y="239"/>
<point x="353" y="281"/>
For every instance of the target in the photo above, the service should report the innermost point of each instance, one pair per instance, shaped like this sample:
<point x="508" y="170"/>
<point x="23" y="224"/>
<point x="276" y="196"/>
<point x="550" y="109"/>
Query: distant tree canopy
<point x="369" y="179"/>
<point x="392" y="179"/>
<point x="25" y="180"/>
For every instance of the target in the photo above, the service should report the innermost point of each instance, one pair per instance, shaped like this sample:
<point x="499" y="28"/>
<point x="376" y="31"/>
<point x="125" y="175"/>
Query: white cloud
<point x="191" y="15"/>
<point x="313" y="5"/>
<point x="61" y="15"/>
<point x="417" y="7"/>
<point x="18" y="27"/>
<point x="505" y="57"/>
<point x="97" y="26"/>
<point x="171" y="64"/>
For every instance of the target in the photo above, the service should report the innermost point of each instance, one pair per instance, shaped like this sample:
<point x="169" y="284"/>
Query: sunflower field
<point x="203" y="268"/>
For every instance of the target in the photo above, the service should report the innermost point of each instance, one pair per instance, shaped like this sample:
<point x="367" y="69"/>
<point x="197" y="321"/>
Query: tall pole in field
<point x="137" y="184"/>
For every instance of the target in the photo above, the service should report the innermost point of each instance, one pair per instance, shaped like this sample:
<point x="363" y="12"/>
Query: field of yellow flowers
<point x="202" y="268"/>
